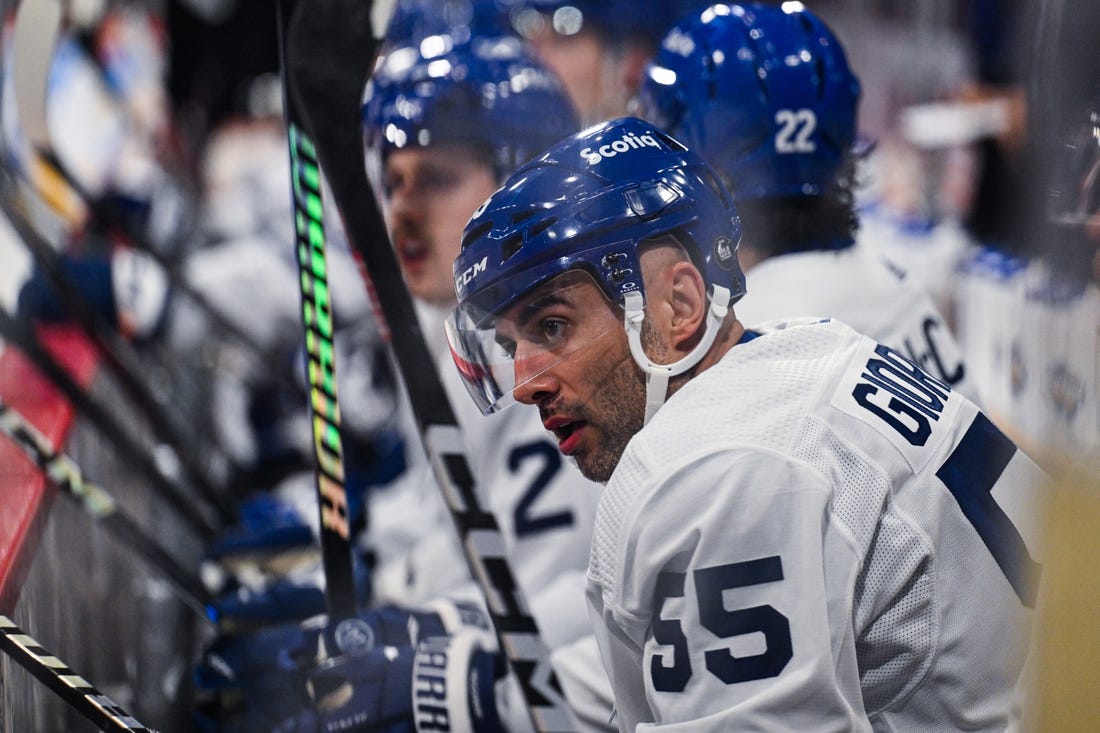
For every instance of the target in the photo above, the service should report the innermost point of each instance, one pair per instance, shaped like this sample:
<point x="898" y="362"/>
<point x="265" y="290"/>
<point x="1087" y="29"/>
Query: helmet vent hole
<point x="476" y="233"/>
<point x="510" y="246"/>
<point x="541" y="227"/>
<point x="712" y="183"/>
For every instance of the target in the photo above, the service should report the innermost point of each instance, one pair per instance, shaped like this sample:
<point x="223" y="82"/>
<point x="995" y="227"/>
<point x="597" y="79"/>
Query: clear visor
<point x="501" y="353"/>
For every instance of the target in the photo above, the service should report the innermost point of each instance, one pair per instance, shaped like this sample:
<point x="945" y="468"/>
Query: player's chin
<point x="595" y="465"/>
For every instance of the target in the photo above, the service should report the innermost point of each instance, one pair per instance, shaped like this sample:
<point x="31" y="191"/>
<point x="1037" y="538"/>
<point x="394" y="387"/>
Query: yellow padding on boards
<point x="1066" y="666"/>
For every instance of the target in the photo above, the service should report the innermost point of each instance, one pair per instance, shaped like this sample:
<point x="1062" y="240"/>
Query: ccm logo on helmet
<point x="629" y="141"/>
<point x="464" y="278"/>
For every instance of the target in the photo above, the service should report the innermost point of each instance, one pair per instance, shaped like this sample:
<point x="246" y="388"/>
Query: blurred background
<point x="149" y="134"/>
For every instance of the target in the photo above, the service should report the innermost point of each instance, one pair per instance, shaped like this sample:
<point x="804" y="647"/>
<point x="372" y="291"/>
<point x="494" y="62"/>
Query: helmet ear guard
<point x="589" y="203"/>
<point x="657" y="375"/>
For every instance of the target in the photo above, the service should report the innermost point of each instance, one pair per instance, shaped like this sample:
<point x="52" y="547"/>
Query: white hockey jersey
<point x="814" y="535"/>
<point x="545" y="509"/>
<point x="854" y="285"/>
<point x="929" y="252"/>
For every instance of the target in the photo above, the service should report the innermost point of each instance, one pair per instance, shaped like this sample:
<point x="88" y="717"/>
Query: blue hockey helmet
<point x="616" y="20"/>
<point x="763" y="92"/>
<point x="415" y="20"/>
<point x="588" y="203"/>
<point x="488" y="92"/>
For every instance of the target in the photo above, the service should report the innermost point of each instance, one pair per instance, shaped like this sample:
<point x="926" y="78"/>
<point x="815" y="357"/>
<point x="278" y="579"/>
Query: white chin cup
<point x="657" y="375"/>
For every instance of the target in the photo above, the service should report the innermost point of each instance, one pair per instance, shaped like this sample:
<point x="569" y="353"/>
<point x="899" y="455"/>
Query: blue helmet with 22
<point x="763" y="92"/>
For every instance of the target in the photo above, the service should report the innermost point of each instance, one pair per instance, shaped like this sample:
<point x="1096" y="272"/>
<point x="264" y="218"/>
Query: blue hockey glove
<point x="444" y="683"/>
<point x="245" y="682"/>
<point x="282" y="601"/>
<point x="238" y="659"/>
<point x="239" y="685"/>
<point x="270" y="541"/>
<point x="266" y="525"/>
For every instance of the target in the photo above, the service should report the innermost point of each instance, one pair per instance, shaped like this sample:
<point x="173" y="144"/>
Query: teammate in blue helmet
<point x="444" y="123"/>
<point x="599" y="48"/>
<point x="811" y="532"/>
<point x="765" y="94"/>
<point x="415" y="20"/>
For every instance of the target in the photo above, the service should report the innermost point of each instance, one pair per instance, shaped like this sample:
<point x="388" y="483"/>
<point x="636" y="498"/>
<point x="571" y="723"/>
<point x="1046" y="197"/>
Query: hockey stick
<point x="332" y="499"/>
<point x="37" y="29"/>
<point x="329" y="57"/>
<point x="66" y="475"/>
<point x="122" y="364"/>
<point x="25" y="339"/>
<point x="67" y="684"/>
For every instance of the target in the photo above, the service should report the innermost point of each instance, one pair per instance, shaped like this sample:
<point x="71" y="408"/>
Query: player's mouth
<point x="412" y="252"/>
<point x="567" y="431"/>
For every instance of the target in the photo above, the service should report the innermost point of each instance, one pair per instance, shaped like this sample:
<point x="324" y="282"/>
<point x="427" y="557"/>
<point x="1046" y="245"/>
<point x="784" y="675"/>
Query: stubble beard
<point x="619" y="401"/>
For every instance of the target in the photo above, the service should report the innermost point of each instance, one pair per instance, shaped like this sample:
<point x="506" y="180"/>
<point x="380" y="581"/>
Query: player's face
<point x="431" y="193"/>
<point x="572" y="360"/>
<point x="586" y="68"/>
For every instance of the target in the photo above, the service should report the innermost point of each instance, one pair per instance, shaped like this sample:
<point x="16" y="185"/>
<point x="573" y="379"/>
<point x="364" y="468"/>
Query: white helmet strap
<point x="657" y="375"/>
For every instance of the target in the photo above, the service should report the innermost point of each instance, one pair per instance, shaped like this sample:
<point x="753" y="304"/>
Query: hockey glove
<point x="444" y="683"/>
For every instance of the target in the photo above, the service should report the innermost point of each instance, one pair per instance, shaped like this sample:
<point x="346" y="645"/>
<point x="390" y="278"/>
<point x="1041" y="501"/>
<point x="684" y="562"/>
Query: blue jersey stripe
<point x="970" y="473"/>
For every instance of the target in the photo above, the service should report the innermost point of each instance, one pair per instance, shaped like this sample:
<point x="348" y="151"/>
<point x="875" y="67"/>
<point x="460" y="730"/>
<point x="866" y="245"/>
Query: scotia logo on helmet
<point x="628" y="142"/>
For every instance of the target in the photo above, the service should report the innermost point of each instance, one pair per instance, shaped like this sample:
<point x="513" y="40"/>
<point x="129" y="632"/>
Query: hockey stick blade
<point x="24" y="338"/>
<point x="123" y="364"/>
<point x="65" y="683"/>
<point x="330" y="55"/>
<point x="65" y="474"/>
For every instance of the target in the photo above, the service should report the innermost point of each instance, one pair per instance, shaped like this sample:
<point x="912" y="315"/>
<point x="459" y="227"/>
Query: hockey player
<point x="777" y="118"/>
<point x="440" y="145"/>
<point x="801" y="529"/>
<point x="599" y="48"/>
<point x="444" y="123"/>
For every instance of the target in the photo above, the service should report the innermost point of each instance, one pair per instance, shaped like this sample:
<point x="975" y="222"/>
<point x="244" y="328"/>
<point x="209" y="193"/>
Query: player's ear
<point x="688" y="300"/>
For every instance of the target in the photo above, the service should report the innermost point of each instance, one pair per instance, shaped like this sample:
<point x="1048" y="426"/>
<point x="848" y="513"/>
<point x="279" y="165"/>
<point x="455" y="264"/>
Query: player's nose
<point x="535" y="381"/>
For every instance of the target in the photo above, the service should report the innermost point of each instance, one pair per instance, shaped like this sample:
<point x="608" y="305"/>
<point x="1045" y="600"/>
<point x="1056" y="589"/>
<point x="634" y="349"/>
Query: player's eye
<point x="439" y="179"/>
<point x="390" y="183"/>
<point x="552" y="330"/>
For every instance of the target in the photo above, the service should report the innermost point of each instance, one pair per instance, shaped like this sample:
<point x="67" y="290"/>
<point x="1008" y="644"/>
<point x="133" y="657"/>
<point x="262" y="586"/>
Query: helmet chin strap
<point x="657" y="375"/>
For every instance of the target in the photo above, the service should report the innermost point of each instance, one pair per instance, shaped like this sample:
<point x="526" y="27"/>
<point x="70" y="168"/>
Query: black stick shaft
<point x="67" y="684"/>
<point x="22" y="336"/>
<point x="333" y="55"/>
<point x="100" y="505"/>
<point x="321" y="370"/>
